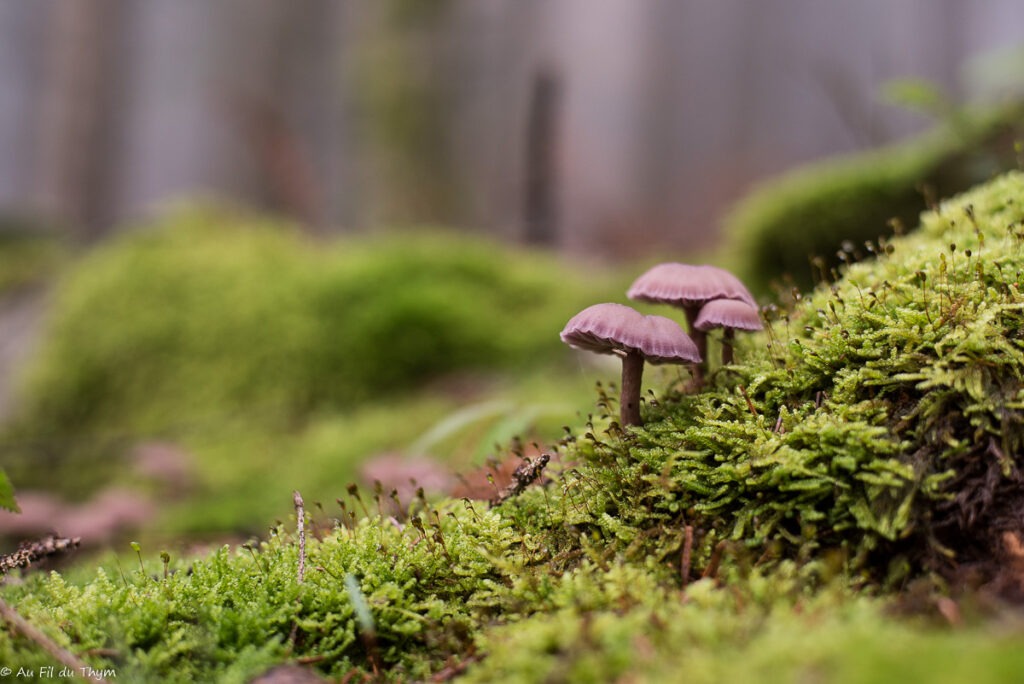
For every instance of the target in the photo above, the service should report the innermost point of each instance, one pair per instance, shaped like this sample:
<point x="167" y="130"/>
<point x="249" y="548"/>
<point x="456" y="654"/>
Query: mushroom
<point x="623" y="331"/>
<point x="689" y="287"/>
<point x="730" y="315"/>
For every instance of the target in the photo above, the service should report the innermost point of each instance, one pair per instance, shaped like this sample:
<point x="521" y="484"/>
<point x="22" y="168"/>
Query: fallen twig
<point x="453" y="670"/>
<point x="684" y="565"/>
<point x="750" y="404"/>
<point x="716" y="558"/>
<point x="523" y="476"/>
<point x="32" y="551"/>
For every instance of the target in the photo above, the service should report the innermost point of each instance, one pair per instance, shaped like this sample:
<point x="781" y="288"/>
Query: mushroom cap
<point x="617" y="328"/>
<point x="728" y="313"/>
<point x="686" y="285"/>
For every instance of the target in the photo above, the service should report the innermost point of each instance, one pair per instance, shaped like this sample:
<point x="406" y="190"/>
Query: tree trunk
<point x="539" y="210"/>
<point x="77" y="114"/>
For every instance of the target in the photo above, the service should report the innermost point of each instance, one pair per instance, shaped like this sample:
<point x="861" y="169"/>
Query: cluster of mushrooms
<point x="710" y="297"/>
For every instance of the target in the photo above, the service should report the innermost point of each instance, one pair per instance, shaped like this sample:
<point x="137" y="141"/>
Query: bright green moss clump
<point x="213" y="316"/>
<point x="224" y="617"/>
<point x="872" y="436"/>
<point x="212" y="311"/>
<point x="811" y="213"/>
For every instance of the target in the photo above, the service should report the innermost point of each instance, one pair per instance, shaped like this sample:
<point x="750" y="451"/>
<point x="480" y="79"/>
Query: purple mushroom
<point x="730" y="315"/>
<point x="623" y="331"/>
<point x="689" y="288"/>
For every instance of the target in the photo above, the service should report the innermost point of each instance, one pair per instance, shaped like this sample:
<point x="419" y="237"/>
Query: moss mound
<point x="872" y="435"/>
<point x="212" y="310"/>
<point x="878" y="423"/>
<point x="214" y="314"/>
<point x="220" y="618"/>
<point x="793" y="227"/>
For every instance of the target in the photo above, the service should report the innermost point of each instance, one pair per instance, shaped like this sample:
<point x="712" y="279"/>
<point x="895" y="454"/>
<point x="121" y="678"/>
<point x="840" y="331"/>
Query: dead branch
<point x="523" y="476"/>
<point x="32" y="551"/>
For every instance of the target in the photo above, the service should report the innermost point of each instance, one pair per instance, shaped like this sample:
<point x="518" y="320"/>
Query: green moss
<point x="423" y="583"/>
<point x="7" y="501"/>
<point x="879" y="421"/>
<point x="238" y="467"/>
<point x="780" y="229"/>
<point x="870" y="436"/>
<point x="709" y="635"/>
<point x="215" y="317"/>
<point x="213" y="312"/>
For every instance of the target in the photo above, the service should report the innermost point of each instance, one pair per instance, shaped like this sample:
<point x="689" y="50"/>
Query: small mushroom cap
<point x="668" y="342"/>
<point x="728" y="313"/>
<point x="617" y="328"/>
<point x="686" y="285"/>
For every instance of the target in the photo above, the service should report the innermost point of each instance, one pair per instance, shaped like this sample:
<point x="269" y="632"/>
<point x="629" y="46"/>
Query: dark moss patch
<point x="793" y="230"/>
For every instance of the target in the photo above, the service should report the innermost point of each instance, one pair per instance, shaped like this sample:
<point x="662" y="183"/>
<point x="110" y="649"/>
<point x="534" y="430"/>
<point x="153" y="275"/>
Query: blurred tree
<point x="79" y="113"/>
<point x="540" y="212"/>
<point x="403" y="99"/>
<point x="286" y="112"/>
<point x="401" y="111"/>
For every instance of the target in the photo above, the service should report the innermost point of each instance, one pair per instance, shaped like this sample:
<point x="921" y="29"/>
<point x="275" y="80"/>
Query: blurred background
<point x="354" y="115"/>
<point x="249" y="246"/>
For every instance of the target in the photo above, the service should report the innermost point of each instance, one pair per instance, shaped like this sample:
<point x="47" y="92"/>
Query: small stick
<point x="750" y="404"/>
<point x="29" y="631"/>
<point x="523" y="476"/>
<point x="352" y="674"/>
<point x="454" y="669"/>
<point x="716" y="558"/>
<point x="300" y="514"/>
<point x="684" y="566"/>
<point x="30" y="552"/>
<point x="949" y="610"/>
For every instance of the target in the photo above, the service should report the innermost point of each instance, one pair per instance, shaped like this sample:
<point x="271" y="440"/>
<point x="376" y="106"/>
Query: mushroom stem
<point x="629" y="400"/>
<point x="700" y="338"/>
<point x="727" y="338"/>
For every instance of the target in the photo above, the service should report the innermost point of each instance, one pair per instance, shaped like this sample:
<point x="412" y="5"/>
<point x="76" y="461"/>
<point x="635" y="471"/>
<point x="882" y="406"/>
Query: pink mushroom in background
<point x="623" y="331"/>
<point x="730" y="315"/>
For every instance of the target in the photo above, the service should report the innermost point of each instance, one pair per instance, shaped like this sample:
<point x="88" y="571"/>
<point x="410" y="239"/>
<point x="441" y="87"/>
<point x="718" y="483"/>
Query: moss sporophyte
<point x="872" y="438"/>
